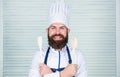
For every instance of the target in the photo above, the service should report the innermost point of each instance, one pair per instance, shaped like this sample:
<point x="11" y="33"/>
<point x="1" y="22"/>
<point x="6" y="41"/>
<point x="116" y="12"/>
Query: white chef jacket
<point x="53" y="62"/>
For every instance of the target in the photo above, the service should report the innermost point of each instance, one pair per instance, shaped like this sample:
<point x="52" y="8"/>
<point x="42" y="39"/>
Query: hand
<point x="44" y="69"/>
<point x="69" y="71"/>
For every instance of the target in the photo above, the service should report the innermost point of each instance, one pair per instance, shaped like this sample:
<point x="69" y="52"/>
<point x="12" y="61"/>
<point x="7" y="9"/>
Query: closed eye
<point x="52" y="27"/>
<point x="63" y="27"/>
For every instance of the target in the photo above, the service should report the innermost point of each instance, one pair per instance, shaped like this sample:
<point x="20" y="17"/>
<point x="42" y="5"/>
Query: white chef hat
<point x="59" y="13"/>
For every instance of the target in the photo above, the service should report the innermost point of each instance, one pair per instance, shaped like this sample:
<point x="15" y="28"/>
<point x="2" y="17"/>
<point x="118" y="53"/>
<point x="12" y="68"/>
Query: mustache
<point x="57" y="35"/>
<point x="57" y="44"/>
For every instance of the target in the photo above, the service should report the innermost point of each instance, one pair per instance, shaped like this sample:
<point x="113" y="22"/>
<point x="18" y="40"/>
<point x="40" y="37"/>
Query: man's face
<point x="57" y="35"/>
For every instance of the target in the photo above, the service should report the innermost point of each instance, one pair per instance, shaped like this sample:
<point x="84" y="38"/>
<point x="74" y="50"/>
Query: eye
<point x="52" y="27"/>
<point x="62" y="28"/>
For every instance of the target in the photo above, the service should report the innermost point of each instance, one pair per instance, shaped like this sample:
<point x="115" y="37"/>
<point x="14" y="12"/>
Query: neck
<point x="58" y="49"/>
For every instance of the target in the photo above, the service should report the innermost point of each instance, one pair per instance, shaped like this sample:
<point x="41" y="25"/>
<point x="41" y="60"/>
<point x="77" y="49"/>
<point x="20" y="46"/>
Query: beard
<point x="59" y="44"/>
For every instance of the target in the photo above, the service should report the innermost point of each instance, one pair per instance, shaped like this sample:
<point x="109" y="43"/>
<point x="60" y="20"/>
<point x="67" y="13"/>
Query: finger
<point x="41" y="64"/>
<point x="40" y="68"/>
<point x="75" y="65"/>
<point x="41" y="73"/>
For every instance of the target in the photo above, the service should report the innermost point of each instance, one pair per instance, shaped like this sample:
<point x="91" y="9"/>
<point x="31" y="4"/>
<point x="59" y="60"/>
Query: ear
<point x="47" y="30"/>
<point x="68" y="30"/>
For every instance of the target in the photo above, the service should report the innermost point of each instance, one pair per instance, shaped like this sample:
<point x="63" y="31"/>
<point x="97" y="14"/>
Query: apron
<point x="58" y="69"/>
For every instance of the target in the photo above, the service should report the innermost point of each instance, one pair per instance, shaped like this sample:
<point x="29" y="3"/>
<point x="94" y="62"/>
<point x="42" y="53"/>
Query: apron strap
<point x="47" y="53"/>
<point x="48" y="50"/>
<point x="46" y="56"/>
<point x="54" y="69"/>
<point x="69" y="56"/>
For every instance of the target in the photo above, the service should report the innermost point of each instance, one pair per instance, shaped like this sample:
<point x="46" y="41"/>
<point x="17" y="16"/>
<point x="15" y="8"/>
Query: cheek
<point x="51" y="33"/>
<point x="64" y="33"/>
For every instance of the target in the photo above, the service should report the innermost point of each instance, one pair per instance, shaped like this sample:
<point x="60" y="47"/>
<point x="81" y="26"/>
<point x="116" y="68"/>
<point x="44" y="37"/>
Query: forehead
<point x="57" y="25"/>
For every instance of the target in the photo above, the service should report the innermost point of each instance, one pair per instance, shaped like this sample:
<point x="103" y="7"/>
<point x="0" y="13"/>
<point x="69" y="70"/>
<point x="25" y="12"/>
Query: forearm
<point x="69" y="71"/>
<point x="62" y="74"/>
<point x="56" y="74"/>
<point x="65" y="74"/>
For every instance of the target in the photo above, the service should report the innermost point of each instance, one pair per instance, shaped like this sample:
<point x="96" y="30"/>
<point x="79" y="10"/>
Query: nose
<point x="57" y="31"/>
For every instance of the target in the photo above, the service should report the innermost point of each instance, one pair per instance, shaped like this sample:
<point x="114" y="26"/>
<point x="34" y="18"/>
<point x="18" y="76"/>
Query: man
<point x="58" y="57"/>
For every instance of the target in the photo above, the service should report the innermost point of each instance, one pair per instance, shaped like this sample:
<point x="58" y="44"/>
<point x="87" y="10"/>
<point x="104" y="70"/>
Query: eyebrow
<point x="52" y="26"/>
<point x="55" y="26"/>
<point x="63" y="26"/>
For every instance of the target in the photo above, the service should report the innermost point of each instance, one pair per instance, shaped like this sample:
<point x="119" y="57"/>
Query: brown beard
<point x="57" y="44"/>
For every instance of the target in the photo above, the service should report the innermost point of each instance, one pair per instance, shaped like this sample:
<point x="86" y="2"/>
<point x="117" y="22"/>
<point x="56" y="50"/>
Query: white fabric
<point x="52" y="62"/>
<point x="59" y="13"/>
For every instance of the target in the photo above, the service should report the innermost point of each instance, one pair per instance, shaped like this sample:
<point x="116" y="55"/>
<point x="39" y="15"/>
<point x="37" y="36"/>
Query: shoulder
<point x="36" y="56"/>
<point x="80" y="57"/>
<point x="37" y="53"/>
<point x="78" y="52"/>
<point x="44" y="50"/>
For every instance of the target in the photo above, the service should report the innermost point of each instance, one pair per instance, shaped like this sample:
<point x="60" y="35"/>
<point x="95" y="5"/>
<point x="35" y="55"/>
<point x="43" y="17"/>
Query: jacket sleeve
<point x="82" y="67"/>
<point x="34" y="70"/>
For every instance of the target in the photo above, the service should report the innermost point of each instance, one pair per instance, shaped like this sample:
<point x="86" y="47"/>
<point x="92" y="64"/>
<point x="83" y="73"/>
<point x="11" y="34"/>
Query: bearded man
<point x="58" y="56"/>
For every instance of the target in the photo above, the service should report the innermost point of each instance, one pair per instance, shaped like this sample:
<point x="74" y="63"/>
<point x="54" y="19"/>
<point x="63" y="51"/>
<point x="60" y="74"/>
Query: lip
<point x="57" y="38"/>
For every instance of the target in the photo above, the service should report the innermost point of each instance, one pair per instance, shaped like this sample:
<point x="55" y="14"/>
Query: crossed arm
<point x="69" y="71"/>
